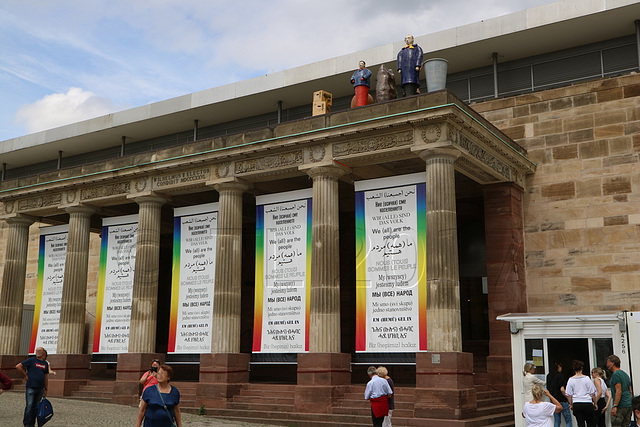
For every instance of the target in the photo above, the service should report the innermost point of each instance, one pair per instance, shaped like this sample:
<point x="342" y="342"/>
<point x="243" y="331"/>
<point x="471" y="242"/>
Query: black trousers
<point x="585" y="414"/>
<point x="600" y="417"/>
<point x="377" y="422"/>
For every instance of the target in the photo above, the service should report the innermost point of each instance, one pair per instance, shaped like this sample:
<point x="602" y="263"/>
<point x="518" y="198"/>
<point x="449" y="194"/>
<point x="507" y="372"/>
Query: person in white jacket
<point x="529" y="381"/>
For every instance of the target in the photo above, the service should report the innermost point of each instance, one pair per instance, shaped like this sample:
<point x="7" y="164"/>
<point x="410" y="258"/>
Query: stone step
<point x="274" y="400"/>
<point x="353" y="403"/>
<point x="270" y="387"/>
<point x="366" y="410"/>
<point x="294" y="422"/>
<point x="485" y="421"/>
<point x="260" y="406"/>
<point x="312" y="420"/>
<point x="291" y="418"/>
<point x="266" y="393"/>
<point x="494" y="409"/>
<point x="82" y="394"/>
<point x="91" y="398"/>
<point x="89" y="388"/>
<point x="489" y="394"/>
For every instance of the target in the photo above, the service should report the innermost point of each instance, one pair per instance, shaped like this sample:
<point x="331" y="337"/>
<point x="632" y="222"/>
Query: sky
<point x="63" y="61"/>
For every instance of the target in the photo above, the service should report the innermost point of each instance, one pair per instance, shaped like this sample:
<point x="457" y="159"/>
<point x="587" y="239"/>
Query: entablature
<point x="383" y="134"/>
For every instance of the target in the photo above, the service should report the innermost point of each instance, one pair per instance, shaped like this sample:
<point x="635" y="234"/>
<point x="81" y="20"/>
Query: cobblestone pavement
<point x="70" y="413"/>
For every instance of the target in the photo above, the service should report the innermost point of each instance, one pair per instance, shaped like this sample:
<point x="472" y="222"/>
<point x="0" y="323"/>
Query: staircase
<point x="274" y="404"/>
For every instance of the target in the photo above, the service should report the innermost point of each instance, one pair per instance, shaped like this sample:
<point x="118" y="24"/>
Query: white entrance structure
<point x="545" y="338"/>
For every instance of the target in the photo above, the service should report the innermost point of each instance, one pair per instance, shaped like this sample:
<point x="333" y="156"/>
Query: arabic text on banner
<point x="51" y="261"/>
<point x="391" y="264"/>
<point x="194" y="256"/>
<point x="115" y="284"/>
<point x="283" y="259"/>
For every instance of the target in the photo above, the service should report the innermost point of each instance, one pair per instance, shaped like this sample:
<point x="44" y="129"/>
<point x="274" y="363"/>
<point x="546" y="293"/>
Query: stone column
<point x="142" y="331"/>
<point x="74" y="291"/>
<point x="444" y="375"/>
<point x="504" y="231"/>
<point x="324" y="372"/>
<point x="324" y="331"/>
<point x="72" y="366"/>
<point x="12" y="294"/>
<point x="224" y="371"/>
<point x="443" y="281"/>
<point x="228" y="281"/>
<point x="144" y="305"/>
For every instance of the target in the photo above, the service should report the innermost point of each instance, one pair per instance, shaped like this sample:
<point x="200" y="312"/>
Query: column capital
<point x="20" y="220"/>
<point x="151" y="198"/>
<point x="81" y="209"/>
<point x="439" y="152"/>
<point x="333" y="170"/>
<point x="233" y="185"/>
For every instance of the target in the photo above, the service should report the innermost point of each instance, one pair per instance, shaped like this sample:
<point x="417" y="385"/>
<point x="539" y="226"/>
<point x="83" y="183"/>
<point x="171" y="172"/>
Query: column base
<point x="131" y="366"/>
<point x="222" y="376"/>
<point x="72" y="371"/>
<point x="322" y="379"/>
<point x="444" y="386"/>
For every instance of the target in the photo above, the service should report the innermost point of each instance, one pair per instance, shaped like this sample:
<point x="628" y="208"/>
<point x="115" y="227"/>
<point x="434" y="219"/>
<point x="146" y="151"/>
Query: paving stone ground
<point x="71" y="413"/>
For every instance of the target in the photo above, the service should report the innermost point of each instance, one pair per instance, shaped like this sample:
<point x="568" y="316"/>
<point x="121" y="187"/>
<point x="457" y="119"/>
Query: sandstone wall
<point x="582" y="206"/>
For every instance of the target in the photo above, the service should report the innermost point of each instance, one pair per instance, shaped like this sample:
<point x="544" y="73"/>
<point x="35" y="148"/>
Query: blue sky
<point x="62" y="61"/>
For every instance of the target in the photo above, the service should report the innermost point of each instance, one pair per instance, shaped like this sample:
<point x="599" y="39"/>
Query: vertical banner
<point x="115" y="284"/>
<point x="52" y="255"/>
<point x="391" y="258"/>
<point x="283" y="272"/>
<point x="194" y="256"/>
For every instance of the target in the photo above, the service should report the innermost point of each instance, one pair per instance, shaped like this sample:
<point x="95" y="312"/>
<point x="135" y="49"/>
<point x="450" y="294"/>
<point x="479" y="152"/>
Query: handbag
<point x="173" y="420"/>
<point x="45" y="411"/>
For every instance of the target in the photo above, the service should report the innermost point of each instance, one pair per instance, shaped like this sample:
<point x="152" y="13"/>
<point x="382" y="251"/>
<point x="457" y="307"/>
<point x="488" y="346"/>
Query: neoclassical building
<point x="258" y="247"/>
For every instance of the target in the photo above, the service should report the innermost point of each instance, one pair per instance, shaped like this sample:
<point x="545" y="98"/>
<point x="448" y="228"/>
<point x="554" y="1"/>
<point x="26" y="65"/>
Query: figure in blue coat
<point x="361" y="82"/>
<point x="409" y="64"/>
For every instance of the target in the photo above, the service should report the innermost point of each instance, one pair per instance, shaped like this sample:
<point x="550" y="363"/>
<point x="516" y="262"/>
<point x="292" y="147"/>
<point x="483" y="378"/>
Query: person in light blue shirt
<point x="377" y="392"/>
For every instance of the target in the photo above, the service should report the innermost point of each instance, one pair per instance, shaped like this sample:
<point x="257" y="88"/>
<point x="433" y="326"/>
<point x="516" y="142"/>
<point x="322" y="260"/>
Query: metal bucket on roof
<point x="435" y="70"/>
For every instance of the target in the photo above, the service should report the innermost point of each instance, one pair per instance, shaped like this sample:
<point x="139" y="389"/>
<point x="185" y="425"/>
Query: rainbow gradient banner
<point x="391" y="258"/>
<point x="283" y="272"/>
<point x="52" y="256"/>
<point x="115" y="284"/>
<point x="194" y="256"/>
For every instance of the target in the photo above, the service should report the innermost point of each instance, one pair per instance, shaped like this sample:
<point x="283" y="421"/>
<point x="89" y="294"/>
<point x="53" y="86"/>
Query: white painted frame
<point x="556" y="326"/>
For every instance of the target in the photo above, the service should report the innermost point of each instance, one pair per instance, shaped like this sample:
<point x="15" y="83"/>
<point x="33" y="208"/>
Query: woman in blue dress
<point x="154" y="398"/>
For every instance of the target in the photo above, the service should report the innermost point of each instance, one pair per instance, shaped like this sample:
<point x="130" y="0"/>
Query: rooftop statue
<point x="361" y="83"/>
<point x="385" y="85"/>
<point x="409" y="64"/>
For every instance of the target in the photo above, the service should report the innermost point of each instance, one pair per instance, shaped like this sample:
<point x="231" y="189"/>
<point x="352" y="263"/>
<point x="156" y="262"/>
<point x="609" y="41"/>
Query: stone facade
<point x="582" y="206"/>
<point x="561" y="209"/>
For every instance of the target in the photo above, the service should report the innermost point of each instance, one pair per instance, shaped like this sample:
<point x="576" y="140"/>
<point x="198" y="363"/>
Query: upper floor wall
<point x="582" y="206"/>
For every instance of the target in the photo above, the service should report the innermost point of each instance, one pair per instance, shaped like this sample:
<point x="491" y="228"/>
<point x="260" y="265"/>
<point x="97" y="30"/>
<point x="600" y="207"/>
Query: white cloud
<point x="63" y="108"/>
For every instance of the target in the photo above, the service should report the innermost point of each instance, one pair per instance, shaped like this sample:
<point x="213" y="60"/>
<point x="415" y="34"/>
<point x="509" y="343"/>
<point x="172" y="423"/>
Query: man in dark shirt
<point x="35" y="371"/>
<point x="556" y="382"/>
